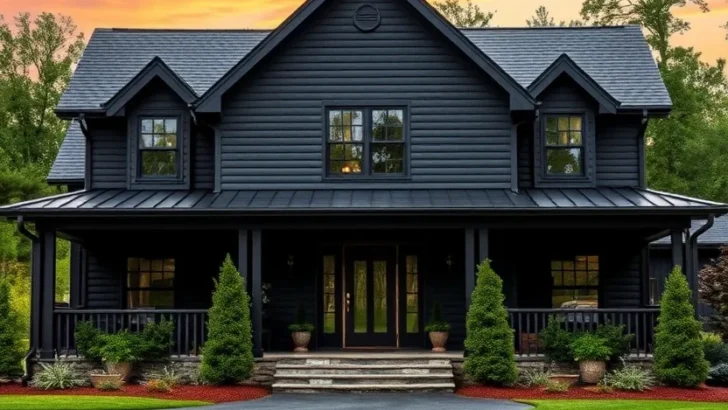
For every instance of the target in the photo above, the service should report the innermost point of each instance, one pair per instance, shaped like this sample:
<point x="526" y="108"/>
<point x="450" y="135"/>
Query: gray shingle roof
<point x="715" y="236"/>
<point x="617" y="58"/>
<point x="602" y="200"/>
<point x="71" y="158"/>
<point x="114" y="56"/>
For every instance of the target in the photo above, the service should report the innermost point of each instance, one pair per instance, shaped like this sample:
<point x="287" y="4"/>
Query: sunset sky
<point x="706" y="35"/>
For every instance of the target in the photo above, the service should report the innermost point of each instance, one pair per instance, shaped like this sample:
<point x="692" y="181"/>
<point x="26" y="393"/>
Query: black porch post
<point x="36" y="289"/>
<point x="48" y="278"/>
<point x="257" y="286"/>
<point x="676" y="236"/>
<point x="483" y="245"/>
<point x="243" y="256"/>
<point x="469" y="265"/>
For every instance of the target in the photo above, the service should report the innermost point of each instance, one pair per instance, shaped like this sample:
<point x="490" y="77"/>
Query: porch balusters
<point x="528" y="323"/>
<point x="188" y="336"/>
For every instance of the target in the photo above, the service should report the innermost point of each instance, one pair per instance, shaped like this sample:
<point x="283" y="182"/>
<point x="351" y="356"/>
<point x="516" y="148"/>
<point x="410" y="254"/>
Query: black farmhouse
<point x="361" y="159"/>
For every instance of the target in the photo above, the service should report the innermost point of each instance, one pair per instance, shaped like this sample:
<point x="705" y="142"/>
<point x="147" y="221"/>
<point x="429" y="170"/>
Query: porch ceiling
<point x="201" y="202"/>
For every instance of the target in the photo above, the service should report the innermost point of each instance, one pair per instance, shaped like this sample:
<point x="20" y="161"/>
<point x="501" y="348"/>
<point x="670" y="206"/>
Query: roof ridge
<point x="526" y="28"/>
<point x="182" y="30"/>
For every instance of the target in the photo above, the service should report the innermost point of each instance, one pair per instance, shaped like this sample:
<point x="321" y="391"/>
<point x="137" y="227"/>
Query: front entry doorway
<point x="370" y="304"/>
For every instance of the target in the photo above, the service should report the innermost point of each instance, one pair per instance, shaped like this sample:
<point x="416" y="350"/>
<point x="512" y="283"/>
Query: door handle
<point x="348" y="301"/>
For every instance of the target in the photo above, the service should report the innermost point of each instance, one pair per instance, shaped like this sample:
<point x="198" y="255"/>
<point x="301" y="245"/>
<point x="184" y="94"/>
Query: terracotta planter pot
<point x="592" y="372"/>
<point x="122" y="369"/>
<point x="300" y="341"/>
<point x="99" y="379"/>
<point x="439" y="341"/>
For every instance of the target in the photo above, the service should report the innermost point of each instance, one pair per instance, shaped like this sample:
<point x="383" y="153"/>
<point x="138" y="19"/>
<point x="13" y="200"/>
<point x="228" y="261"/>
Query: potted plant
<point x="118" y="352"/>
<point x="301" y="330"/>
<point x="103" y="380"/>
<point x="592" y="353"/>
<point x="438" y="329"/>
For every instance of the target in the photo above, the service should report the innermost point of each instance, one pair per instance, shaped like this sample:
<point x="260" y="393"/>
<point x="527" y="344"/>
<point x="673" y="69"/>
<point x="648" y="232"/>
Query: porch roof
<point x="600" y="200"/>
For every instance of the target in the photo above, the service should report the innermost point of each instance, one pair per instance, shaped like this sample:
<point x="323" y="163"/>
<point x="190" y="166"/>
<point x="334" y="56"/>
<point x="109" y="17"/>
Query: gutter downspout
<point x="33" y="336"/>
<point x="693" y="262"/>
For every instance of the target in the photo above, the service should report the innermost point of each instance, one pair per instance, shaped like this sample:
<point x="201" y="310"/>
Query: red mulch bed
<point x="208" y="394"/>
<point x="703" y="394"/>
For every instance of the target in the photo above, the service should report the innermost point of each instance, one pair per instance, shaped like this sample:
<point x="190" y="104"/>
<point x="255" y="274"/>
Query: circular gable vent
<point x="367" y="18"/>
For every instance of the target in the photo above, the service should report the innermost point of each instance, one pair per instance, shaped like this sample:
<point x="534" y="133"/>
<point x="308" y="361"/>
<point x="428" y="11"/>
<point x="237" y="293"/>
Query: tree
<point x="469" y="16"/>
<point x="543" y="18"/>
<point x="228" y="353"/>
<point x="489" y="340"/>
<point x="678" y="359"/>
<point x="714" y="290"/>
<point x="12" y="352"/>
<point x="656" y="16"/>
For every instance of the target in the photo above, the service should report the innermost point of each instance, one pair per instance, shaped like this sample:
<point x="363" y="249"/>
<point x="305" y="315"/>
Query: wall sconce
<point x="449" y="263"/>
<point x="290" y="261"/>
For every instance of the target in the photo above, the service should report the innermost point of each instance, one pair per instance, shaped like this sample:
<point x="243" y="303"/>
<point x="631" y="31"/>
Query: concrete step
<point x="328" y="361"/>
<point x="319" y="379"/>
<point x="312" y="388"/>
<point x="365" y="369"/>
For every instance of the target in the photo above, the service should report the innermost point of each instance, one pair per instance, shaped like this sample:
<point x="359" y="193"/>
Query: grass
<point x="621" y="405"/>
<point x="91" y="403"/>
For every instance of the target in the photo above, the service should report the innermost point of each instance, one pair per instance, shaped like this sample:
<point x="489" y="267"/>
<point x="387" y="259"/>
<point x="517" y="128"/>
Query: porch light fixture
<point x="449" y="263"/>
<point x="290" y="262"/>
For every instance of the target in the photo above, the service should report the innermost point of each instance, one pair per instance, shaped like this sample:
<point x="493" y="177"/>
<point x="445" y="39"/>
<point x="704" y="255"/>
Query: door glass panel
<point x="413" y="307"/>
<point x="329" y="305"/>
<point x="360" y="297"/>
<point x="380" y="296"/>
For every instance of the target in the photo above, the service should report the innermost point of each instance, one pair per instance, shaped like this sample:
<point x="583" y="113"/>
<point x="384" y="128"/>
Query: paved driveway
<point x="370" y="401"/>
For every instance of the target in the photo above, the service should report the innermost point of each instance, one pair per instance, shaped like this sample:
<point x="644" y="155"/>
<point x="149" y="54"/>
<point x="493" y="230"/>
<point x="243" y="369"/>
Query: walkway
<point x="370" y="401"/>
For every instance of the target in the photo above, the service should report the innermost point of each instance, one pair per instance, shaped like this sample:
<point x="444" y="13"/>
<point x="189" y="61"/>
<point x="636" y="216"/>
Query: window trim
<point x="366" y="107"/>
<point x="134" y="123"/>
<point x="588" y="177"/>
<point x="126" y="289"/>
<point x="178" y="150"/>
<point x="547" y="148"/>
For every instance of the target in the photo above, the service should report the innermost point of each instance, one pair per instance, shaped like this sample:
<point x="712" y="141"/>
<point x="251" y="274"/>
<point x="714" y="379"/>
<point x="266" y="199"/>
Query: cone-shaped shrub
<point x="11" y="352"/>
<point x="679" y="357"/>
<point x="489" y="342"/>
<point x="228" y="353"/>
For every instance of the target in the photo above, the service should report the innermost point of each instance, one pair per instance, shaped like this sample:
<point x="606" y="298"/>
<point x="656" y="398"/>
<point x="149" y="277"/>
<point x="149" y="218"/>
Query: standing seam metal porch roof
<point x="458" y="200"/>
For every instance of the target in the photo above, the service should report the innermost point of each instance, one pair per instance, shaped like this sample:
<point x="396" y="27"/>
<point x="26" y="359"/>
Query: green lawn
<point x="622" y="404"/>
<point x="90" y="403"/>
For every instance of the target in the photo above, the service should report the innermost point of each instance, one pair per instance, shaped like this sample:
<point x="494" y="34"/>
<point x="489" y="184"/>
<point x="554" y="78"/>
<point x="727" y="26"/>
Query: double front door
<point x="370" y="297"/>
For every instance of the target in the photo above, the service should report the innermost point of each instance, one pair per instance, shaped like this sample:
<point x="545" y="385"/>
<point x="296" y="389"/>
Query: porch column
<point x="243" y="255"/>
<point x="36" y="291"/>
<point x="483" y="245"/>
<point x="676" y="235"/>
<point x="469" y="265"/>
<point x="257" y="286"/>
<point x="48" y="279"/>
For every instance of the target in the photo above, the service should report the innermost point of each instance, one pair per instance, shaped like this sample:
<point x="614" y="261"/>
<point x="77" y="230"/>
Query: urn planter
<point x="439" y="341"/>
<point x="122" y="369"/>
<point x="592" y="371"/>
<point x="98" y="380"/>
<point x="301" y="341"/>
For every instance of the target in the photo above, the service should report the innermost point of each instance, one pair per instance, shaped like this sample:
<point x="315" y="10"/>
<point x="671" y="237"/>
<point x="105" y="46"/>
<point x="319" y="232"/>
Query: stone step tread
<point x="362" y="376"/>
<point x="418" y="386"/>
<point x="349" y="366"/>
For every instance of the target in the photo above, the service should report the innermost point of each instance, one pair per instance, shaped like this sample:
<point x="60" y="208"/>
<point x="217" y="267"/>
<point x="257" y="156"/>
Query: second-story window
<point x="366" y="142"/>
<point x="564" y="150"/>
<point x="158" y="148"/>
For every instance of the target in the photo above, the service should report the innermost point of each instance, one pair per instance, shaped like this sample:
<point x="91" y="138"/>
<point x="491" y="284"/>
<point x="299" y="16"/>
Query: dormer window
<point x="159" y="156"/>
<point x="564" y="150"/>
<point x="367" y="142"/>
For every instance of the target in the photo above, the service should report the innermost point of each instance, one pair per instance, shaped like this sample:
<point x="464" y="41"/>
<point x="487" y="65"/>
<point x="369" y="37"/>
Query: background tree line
<point x="687" y="153"/>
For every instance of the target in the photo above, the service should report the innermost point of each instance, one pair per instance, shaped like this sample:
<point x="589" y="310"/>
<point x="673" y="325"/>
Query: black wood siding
<point x="618" y="159"/>
<point x="108" y="153"/>
<point x="203" y="155"/>
<point x="525" y="155"/>
<point x="272" y="121"/>
<point x="104" y="280"/>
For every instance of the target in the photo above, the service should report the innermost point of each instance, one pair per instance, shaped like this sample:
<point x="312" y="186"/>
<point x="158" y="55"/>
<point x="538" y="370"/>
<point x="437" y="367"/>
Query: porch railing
<point x="528" y="323"/>
<point x="190" y="326"/>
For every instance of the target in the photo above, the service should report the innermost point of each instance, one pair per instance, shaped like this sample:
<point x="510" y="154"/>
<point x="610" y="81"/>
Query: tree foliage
<point x="489" y="340"/>
<point x="678" y="359"/>
<point x="542" y="18"/>
<point x="656" y="16"/>
<point x="12" y="352"/>
<point x="714" y="291"/>
<point x="228" y="353"/>
<point x="468" y="16"/>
